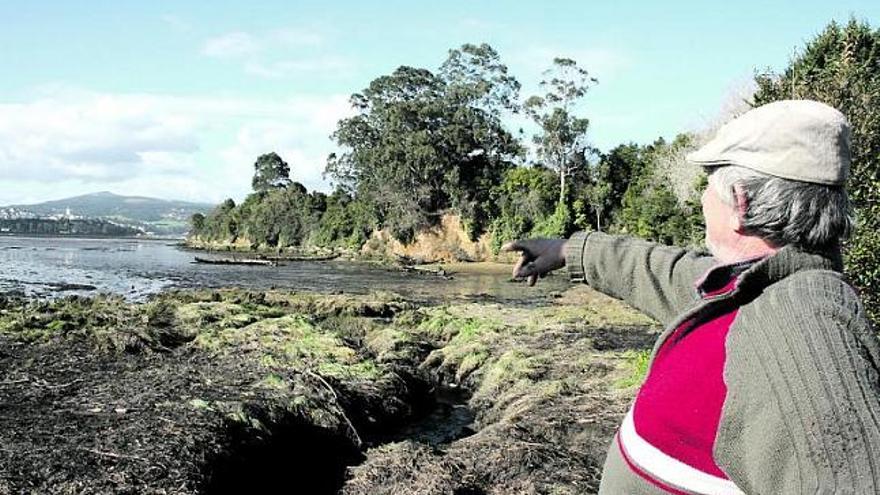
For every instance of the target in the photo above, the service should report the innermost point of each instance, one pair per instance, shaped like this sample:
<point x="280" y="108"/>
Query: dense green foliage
<point x="841" y="67"/>
<point x="346" y="222"/>
<point x="423" y="142"/>
<point x="280" y="217"/>
<point x="648" y="207"/>
<point x="219" y="225"/>
<point x="525" y="199"/>
<point x="426" y="143"/>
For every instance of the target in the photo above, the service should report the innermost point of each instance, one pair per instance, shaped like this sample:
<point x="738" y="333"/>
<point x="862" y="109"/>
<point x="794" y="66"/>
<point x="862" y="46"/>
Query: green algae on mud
<point x="205" y="391"/>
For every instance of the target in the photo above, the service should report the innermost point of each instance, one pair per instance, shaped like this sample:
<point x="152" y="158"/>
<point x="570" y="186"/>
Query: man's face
<point x="721" y="227"/>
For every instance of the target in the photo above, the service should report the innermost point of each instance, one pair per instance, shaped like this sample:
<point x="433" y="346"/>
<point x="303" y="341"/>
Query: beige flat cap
<point x="794" y="139"/>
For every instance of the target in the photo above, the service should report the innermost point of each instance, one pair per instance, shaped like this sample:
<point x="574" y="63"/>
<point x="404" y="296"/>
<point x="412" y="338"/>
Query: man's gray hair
<point x="814" y="217"/>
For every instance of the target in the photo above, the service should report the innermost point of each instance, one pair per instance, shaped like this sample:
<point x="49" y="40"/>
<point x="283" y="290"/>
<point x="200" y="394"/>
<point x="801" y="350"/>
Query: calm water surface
<point x="134" y="268"/>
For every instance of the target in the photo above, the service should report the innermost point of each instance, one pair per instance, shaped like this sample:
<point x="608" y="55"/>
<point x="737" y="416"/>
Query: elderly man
<point x="765" y="380"/>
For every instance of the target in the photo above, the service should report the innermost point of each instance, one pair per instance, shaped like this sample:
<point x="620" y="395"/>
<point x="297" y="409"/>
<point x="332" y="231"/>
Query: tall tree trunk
<point x="562" y="187"/>
<point x="563" y="171"/>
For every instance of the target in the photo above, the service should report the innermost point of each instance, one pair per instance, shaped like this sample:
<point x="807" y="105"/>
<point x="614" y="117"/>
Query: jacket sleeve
<point x="653" y="278"/>
<point x="802" y="407"/>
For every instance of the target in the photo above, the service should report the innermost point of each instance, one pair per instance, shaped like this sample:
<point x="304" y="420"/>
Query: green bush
<point x="650" y="210"/>
<point x="841" y="67"/>
<point x="525" y="198"/>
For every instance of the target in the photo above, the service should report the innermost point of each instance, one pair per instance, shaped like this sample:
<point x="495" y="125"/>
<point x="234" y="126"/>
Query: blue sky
<point x="177" y="99"/>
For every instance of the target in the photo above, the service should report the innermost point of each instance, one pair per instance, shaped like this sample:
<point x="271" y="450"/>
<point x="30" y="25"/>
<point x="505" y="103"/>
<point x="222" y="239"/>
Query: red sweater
<point x="669" y="433"/>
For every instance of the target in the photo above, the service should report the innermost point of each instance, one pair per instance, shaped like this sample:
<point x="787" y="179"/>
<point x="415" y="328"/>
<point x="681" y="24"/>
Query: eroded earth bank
<point x="237" y="391"/>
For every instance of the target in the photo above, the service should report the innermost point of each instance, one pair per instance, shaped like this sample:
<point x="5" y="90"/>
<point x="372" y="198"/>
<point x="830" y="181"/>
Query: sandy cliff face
<point x="241" y="243"/>
<point x="447" y="242"/>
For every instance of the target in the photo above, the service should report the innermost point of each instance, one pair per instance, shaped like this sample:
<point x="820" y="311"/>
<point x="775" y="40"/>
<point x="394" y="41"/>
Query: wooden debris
<point x="234" y="261"/>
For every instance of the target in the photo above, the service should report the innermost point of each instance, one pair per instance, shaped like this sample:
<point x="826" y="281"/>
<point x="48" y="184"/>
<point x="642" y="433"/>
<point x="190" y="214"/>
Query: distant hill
<point x="150" y="214"/>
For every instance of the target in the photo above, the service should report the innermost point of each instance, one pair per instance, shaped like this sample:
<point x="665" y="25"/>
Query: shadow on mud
<point x="443" y="418"/>
<point x="621" y="338"/>
<point x="293" y="457"/>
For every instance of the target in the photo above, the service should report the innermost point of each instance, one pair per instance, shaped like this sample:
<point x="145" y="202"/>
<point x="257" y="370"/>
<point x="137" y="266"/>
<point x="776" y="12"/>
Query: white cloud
<point x="279" y="53"/>
<point x="99" y="138"/>
<point x="239" y="44"/>
<point x="302" y="140"/>
<point x="158" y="145"/>
<point x="477" y="26"/>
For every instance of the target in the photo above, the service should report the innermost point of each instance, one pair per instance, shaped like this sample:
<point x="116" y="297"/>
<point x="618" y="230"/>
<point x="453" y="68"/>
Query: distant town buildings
<point x="15" y="214"/>
<point x="12" y="213"/>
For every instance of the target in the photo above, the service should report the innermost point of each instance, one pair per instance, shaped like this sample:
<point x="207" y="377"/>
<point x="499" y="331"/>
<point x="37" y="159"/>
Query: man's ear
<point x="742" y="203"/>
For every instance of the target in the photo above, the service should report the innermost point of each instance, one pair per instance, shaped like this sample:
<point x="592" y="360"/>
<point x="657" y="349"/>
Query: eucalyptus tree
<point x="563" y="134"/>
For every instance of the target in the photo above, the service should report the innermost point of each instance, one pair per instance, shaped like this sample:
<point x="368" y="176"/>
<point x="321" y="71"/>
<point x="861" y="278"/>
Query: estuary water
<point x="47" y="267"/>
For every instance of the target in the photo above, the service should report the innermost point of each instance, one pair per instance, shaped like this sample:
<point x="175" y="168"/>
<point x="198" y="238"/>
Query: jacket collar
<point x="757" y="273"/>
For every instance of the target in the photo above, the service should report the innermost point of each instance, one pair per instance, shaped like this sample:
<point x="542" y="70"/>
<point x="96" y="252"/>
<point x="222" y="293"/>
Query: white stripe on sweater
<point x="667" y="469"/>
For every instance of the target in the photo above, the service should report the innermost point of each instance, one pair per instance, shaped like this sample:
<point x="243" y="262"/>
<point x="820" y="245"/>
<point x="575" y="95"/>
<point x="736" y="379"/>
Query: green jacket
<point x="802" y="411"/>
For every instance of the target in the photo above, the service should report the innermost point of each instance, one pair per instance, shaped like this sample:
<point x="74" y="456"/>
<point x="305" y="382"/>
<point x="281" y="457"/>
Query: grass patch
<point x="108" y="323"/>
<point x="464" y="343"/>
<point x="636" y="363"/>
<point x="609" y="313"/>
<point x="273" y="382"/>
<point x="513" y="371"/>
<point x="450" y="329"/>
<point x="392" y="343"/>
<point x="291" y="342"/>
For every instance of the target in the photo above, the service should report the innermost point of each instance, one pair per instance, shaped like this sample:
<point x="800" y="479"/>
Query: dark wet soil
<point x="621" y="338"/>
<point x="446" y="417"/>
<point x="72" y="421"/>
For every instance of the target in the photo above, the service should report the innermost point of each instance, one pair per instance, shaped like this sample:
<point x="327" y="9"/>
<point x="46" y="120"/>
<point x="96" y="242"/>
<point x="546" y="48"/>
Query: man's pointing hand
<point x="539" y="257"/>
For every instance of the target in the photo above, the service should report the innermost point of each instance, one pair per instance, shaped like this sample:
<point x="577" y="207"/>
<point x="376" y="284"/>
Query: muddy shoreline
<point x="53" y="268"/>
<point x="218" y="391"/>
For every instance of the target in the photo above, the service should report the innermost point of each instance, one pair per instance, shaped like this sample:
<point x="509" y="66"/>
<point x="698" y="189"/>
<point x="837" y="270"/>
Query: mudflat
<point x="225" y="391"/>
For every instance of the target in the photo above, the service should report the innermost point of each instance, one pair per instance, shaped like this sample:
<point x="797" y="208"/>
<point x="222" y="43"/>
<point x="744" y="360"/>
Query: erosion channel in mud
<point x="296" y="453"/>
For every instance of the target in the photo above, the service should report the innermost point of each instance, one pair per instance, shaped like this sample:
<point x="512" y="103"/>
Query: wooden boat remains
<point x="235" y="261"/>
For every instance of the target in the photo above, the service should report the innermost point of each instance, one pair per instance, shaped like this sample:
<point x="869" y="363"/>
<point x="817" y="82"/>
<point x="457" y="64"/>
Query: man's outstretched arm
<point x="656" y="279"/>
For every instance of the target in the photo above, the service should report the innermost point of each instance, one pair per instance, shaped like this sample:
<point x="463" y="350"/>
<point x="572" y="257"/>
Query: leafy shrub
<point x="841" y="67"/>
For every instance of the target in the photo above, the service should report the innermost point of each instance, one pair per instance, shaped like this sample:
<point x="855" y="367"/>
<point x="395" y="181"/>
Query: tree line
<point x="65" y="226"/>
<point x="423" y="143"/>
